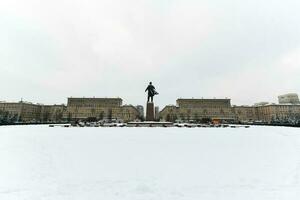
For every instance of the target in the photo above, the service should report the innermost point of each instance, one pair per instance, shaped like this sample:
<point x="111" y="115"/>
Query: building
<point x="98" y="109"/>
<point x="270" y="113"/>
<point x="199" y="110"/>
<point x="28" y="112"/>
<point x="21" y="111"/>
<point x="156" y="112"/>
<point x="11" y="110"/>
<point x="219" y="110"/>
<point x="77" y="109"/>
<point x="170" y="113"/>
<point x="52" y="113"/>
<point x="291" y="98"/>
<point x="263" y="103"/>
<point x="278" y="113"/>
<point x="140" y="108"/>
<point x="129" y="113"/>
<point x="245" y="113"/>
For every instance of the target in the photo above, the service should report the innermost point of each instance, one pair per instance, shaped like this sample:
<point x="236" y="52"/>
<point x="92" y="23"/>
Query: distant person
<point x="151" y="92"/>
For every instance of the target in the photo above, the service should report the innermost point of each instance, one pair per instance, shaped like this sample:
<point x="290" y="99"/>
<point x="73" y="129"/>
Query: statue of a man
<point x="151" y="92"/>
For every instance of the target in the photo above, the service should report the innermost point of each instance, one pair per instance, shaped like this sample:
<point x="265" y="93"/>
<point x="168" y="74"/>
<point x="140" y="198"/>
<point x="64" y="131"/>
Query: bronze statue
<point x="151" y="92"/>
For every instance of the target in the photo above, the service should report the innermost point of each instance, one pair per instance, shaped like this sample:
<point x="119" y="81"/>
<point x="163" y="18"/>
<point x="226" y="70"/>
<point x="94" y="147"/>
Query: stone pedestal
<point x="150" y="116"/>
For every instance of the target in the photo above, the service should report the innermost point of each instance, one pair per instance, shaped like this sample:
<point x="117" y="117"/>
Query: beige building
<point x="199" y="109"/>
<point x="278" y="112"/>
<point x="170" y="113"/>
<point x="185" y="110"/>
<point x="52" y="113"/>
<point x="77" y="109"/>
<point x="99" y="108"/>
<point x="245" y="113"/>
<point x="267" y="113"/>
<point x="129" y="113"/>
<point x="21" y="111"/>
<point x="221" y="110"/>
<point x="11" y="109"/>
<point x="29" y="112"/>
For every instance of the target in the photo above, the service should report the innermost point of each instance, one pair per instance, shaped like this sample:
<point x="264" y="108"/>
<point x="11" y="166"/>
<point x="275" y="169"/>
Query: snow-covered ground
<point x="42" y="163"/>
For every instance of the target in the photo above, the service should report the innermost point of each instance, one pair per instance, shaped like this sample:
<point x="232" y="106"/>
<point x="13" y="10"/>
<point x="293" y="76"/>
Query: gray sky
<point x="248" y="51"/>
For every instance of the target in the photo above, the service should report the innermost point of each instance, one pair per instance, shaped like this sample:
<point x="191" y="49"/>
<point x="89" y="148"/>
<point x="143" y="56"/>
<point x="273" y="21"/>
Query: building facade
<point x="129" y="113"/>
<point x="11" y="110"/>
<point x="198" y="110"/>
<point x="221" y="110"/>
<point x="32" y="113"/>
<point x="268" y="113"/>
<point x="77" y="109"/>
<point x="290" y="98"/>
<point x="245" y="113"/>
<point x="99" y="109"/>
<point x="52" y="113"/>
<point x="140" y="108"/>
<point x="156" y="113"/>
<point x="278" y="113"/>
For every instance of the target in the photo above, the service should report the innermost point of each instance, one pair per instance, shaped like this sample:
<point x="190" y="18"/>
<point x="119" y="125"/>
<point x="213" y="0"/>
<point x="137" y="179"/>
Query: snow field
<point x="38" y="162"/>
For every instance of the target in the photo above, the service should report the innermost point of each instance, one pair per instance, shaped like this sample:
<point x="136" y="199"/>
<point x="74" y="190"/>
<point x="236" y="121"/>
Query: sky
<point x="248" y="51"/>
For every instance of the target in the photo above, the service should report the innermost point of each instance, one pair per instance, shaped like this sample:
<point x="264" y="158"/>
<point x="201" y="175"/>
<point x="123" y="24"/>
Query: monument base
<point x="150" y="116"/>
<point x="150" y="124"/>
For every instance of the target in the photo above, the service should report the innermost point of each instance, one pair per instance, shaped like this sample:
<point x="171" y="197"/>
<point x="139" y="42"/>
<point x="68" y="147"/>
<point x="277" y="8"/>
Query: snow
<point x="43" y="163"/>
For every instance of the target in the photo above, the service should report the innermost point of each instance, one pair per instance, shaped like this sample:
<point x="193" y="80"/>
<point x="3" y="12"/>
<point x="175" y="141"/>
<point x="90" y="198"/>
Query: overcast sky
<point x="248" y="51"/>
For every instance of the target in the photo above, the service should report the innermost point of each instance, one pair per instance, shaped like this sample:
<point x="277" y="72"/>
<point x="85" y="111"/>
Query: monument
<point x="150" y="115"/>
<point x="150" y="112"/>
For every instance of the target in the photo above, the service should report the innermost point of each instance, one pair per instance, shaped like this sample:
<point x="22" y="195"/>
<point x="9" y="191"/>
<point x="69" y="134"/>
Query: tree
<point x="93" y="112"/>
<point x="181" y="116"/>
<point x="168" y="118"/>
<point x="69" y="117"/>
<point x="91" y="119"/>
<point x="173" y="118"/>
<point x="46" y="117"/>
<point x="101" y="115"/>
<point x="205" y="120"/>
<point x="7" y="118"/>
<point x="196" y="117"/>
<point x="58" y="116"/>
<point x="109" y="114"/>
<point x="189" y="114"/>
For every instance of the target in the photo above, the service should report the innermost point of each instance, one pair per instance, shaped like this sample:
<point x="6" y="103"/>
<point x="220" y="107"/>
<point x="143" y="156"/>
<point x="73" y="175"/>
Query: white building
<point x="140" y="108"/>
<point x="291" y="98"/>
